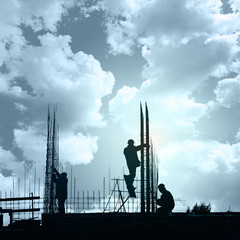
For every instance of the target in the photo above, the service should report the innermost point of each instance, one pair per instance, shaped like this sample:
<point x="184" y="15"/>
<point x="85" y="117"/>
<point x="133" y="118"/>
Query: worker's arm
<point x="138" y="148"/>
<point x="159" y="202"/>
<point x="56" y="172"/>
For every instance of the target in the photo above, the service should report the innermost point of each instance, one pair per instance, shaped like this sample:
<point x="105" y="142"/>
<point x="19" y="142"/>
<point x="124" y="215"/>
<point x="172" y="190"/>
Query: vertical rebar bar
<point x="83" y="200"/>
<point x="109" y="180"/>
<point x="88" y="204"/>
<point x="39" y="184"/>
<point x="18" y="195"/>
<point x="71" y="190"/>
<point x="147" y="160"/>
<point x="103" y="193"/>
<point x="99" y="200"/>
<point x="34" y="187"/>
<point x="142" y="161"/>
<point x="74" y="193"/>
<point x="114" y="193"/>
<point x="13" y="192"/>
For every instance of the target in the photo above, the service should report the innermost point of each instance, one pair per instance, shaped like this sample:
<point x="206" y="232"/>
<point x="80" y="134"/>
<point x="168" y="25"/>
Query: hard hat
<point x="130" y="141"/>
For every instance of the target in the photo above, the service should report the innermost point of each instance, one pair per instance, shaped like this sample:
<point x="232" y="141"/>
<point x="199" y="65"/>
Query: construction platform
<point x="128" y="226"/>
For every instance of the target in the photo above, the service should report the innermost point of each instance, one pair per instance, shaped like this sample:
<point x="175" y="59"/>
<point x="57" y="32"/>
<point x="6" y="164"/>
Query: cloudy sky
<point x="97" y="60"/>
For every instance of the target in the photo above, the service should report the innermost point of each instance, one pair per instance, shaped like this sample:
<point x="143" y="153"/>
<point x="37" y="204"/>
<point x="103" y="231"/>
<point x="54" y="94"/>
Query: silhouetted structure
<point x="61" y="189"/>
<point x="166" y="201"/>
<point x="52" y="162"/>
<point x="149" y="168"/>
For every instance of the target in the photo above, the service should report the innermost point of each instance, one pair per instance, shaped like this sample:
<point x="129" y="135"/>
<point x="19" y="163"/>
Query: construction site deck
<point x="127" y="226"/>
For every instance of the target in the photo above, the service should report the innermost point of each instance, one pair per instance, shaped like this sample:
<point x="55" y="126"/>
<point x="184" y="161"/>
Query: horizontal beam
<point x="18" y="199"/>
<point x="19" y="210"/>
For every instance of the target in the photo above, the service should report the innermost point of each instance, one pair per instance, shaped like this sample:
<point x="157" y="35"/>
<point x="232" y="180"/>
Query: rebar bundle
<point x="149" y="166"/>
<point x="52" y="162"/>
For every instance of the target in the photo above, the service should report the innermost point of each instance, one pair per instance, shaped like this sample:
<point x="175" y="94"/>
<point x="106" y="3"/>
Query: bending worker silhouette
<point x="61" y="189"/>
<point x="166" y="201"/>
<point x="131" y="156"/>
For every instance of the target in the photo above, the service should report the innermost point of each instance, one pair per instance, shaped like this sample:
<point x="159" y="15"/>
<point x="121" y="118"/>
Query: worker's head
<point x="63" y="175"/>
<point x="161" y="187"/>
<point x="130" y="142"/>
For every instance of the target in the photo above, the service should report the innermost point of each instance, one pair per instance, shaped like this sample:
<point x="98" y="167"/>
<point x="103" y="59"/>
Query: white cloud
<point x="51" y="73"/>
<point x="78" y="149"/>
<point x="38" y="15"/>
<point x="227" y="92"/>
<point x="183" y="48"/>
<point x="234" y="5"/>
<point x="183" y="68"/>
<point x="32" y="142"/>
<point x="13" y="13"/>
<point x="125" y="7"/>
<point x="75" y="81"/>
<point x="168" y="21"/>
<point x="9" y="168"/>
<point x="6" y="181"/>
<point x="74" y="149"/>
<point x="201" y="171"/>
<point x="118" y="41"/>
<point x="3" y="84"/>
<point x="121" y="102"/>
<point x="184" y="44"/>
<point x="8" y="160"/>
<point x="20" y="107"/>
<point x="172" y="117"/>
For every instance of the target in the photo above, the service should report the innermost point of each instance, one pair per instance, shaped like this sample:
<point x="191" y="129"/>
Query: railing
<point x="10" y="211"/>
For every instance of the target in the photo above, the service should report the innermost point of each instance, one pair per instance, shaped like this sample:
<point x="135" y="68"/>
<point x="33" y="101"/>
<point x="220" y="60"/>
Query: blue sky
<point x="97" y="60"/>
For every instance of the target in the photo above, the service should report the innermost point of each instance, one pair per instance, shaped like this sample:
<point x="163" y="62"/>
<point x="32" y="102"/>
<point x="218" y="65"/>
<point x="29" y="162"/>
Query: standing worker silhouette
<point x="61" y="189"/>
<point x="131" y="156"/>
<point x="166" y="201"/>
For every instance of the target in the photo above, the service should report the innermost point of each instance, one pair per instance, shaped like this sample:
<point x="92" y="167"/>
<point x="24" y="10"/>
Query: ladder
<point x="120" y="200"/>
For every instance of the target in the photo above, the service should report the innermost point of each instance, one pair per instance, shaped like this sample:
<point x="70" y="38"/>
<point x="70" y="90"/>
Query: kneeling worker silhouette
<point x="166" y="201"/>
<point x="61" y="189"/>
<point x="131" y="156"/>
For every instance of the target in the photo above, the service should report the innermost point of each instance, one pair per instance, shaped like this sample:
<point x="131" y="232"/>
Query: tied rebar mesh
<point x="52" y="162"/>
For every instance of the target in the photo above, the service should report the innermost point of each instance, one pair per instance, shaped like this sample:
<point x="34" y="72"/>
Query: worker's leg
<point x="163" y="211"/>
<point x="132" y="172"/>
<point x="61" y="207"/>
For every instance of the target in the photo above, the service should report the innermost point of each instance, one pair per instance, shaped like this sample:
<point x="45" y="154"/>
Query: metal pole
<point x="88" y="199"/>
<point x="34" y="187"/>
<point x="142" y="160"/>
<point x="99" y="199"/>
<point x="71" y="189"/>
<point x="152" y="179"/>
<point x="83" y="199"/>
<point x="74" y="193"/>
<point x="147" y="160"/>
<point x="103" y="192"/>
